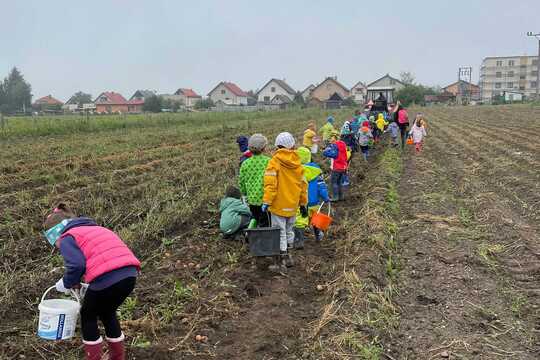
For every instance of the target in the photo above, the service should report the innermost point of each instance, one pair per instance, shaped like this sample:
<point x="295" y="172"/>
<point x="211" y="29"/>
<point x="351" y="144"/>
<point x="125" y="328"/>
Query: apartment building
<point x="512" y="76"/>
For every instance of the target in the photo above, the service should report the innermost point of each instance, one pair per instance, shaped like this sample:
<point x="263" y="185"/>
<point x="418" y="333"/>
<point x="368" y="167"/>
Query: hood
<point x="242" y="142"/>
<point x="311" y="171"/>
<point x="81" y="221"/>
<point x="380" y="117"/>
<point x="304" y="154"/>
<point x="228" y="202"/>
<point x="287" y="158"/>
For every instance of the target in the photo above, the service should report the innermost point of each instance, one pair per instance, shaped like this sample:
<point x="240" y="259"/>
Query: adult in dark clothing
<point x="400" y="116"/>
<point x="380" y="104"/>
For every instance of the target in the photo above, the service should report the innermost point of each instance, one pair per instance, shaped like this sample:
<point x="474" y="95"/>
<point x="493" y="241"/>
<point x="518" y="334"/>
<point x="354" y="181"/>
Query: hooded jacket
<point x="317" y="189"/>
<point x="95" y="252"/>
<point x="284" y="183"/>
<point x="231" y="210"/>
<point x="417" y="133"/>
<point x="364" y="135"/>
<point x="339" y="156"/>
<point x="381" y="122"/>
<point x="309" y="134"/>
<point x="251" y="179"/>
<point x="327" y="130"/>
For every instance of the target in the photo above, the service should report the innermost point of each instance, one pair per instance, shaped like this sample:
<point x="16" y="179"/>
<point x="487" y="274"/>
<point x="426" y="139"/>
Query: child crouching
<point x="235" y="215"/>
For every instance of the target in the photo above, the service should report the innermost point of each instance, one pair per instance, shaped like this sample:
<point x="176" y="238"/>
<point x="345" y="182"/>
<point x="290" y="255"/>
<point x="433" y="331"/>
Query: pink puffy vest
<point x="103" y="250"/>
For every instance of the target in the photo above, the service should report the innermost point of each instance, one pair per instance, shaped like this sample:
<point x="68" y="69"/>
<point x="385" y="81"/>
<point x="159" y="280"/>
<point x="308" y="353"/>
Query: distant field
<point x="431" y="253"/>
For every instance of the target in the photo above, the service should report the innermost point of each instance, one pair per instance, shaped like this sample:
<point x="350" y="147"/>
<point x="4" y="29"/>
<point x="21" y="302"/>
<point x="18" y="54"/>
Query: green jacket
<point x="326" y="131"/>
<point x="251" y="179"/>
<point x="231" y="210"/>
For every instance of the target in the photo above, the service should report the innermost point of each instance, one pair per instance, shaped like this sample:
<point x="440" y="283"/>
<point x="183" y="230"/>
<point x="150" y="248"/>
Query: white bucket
<point x="58" y="317"/>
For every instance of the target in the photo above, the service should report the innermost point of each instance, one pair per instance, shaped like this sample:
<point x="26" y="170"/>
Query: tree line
<point x="15" y="93"/>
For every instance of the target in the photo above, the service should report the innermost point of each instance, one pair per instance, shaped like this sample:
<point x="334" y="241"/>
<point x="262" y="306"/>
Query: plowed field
<point x="435" y="255"/>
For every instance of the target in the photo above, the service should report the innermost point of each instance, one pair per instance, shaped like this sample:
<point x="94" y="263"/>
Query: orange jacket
<point x="285" y="188"/>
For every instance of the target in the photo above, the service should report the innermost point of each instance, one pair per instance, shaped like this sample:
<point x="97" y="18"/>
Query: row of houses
<point x="330" y="93"/>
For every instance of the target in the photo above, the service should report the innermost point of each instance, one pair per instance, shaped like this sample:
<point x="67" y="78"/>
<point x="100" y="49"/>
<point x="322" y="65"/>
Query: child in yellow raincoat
<point x="284" y="191"/>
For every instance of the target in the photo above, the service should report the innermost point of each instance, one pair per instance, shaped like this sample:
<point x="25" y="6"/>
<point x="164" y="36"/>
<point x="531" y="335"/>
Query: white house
<point x="306" y="94"/>
<point x="387" y="85"/>
<point x="188" y="97"/>
<point x="273" y="88"/>
<point x="228" y="93"/>
<point x="359" y="93"/>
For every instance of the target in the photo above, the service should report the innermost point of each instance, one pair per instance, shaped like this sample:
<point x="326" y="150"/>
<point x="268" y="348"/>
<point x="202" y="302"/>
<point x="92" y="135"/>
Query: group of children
<point x="285" y="190"/>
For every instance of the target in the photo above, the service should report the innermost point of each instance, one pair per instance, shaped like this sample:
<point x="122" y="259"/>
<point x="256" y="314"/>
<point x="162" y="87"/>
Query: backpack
<point x="403" y="117"/>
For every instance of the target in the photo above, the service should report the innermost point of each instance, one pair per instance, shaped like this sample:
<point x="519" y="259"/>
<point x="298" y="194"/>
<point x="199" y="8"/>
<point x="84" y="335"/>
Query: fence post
<point x="2" y="121"/>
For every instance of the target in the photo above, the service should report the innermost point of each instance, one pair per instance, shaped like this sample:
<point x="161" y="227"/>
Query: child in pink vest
<point x="100" y="258"/>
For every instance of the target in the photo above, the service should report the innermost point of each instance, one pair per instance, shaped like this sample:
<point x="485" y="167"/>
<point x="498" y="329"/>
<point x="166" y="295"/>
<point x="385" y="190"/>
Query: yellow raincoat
<point x="285" y="188"/>
<point x="381" y="123"/>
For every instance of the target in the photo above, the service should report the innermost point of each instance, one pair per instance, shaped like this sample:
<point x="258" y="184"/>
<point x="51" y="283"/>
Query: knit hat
<point x="304" y="154"/>
<point x="286" y="140"/>
<point x="233" y="192"/>
<point x="365" y="123"/>
<point x="242" y="142"/>
<point x="330" y="119"/>
<point x="257" y="142"/>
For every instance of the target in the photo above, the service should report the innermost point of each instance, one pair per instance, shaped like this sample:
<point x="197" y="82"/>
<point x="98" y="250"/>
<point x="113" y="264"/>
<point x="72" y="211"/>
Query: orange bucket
<point x="321" y="221"/>
<point x="409" y="141"/>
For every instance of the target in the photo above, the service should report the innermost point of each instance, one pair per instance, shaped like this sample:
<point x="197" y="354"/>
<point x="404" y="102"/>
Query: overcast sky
<point x="65" y="46"/>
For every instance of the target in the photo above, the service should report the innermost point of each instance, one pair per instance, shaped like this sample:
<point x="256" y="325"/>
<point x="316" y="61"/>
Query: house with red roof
<point x="48" y="100"/>
<point x="188" y="97"/>
<point x="110" y="102"/>
<point x="136" y="101"/>
<point x="47" y="104"/>
<point x="229" y="93"/>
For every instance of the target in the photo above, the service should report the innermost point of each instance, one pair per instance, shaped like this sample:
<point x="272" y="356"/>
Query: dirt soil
<point x="470" y="280"/>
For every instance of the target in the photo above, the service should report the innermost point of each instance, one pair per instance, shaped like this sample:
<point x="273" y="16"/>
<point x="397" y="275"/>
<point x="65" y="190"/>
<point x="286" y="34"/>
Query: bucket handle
<point x="329" y="208"/>
<point x="71" y="291"/>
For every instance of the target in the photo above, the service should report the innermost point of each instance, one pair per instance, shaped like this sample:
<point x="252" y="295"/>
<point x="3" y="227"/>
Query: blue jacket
<point x="75" y="262"/>
<point x="331" y="151"/>
<point x="317" y="189"/>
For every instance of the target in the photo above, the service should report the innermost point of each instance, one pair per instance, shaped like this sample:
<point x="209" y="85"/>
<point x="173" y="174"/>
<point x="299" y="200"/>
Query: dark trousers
<point x="336" y="179"/>
<point x="403" y="130"/>
<point x="103" y="304"/>
<point x="261" y="217"/>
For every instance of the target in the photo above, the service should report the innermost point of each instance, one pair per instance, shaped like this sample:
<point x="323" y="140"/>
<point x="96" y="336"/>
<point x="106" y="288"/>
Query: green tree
<point x="349" y="102"/>
<point x="204" y="104"/>
<point x="152" y="104"/>
<point x="413" y="94"/>
<point x="16" y="94"/>
<point x="81" y="98"/>
<point x="299" y="99"/>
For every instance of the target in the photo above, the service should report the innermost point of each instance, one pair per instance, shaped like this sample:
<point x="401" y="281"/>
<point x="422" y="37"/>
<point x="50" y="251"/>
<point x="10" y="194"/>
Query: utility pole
<point x="537" y="36"/>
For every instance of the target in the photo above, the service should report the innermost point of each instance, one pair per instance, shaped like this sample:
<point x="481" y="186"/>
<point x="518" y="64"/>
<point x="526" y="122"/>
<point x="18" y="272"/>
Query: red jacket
<point x="103" y="249"/>
<point x="340" y="163"/>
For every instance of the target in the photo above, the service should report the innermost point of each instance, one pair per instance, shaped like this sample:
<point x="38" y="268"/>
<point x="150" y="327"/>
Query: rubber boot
<point x="298" y="238"/>
<point x="277" y="267"/>
<point x="319" y="234"/>
<point x="116" y="348"/>
<point x="287" y="260"/>
<point x="92" y="349"/>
